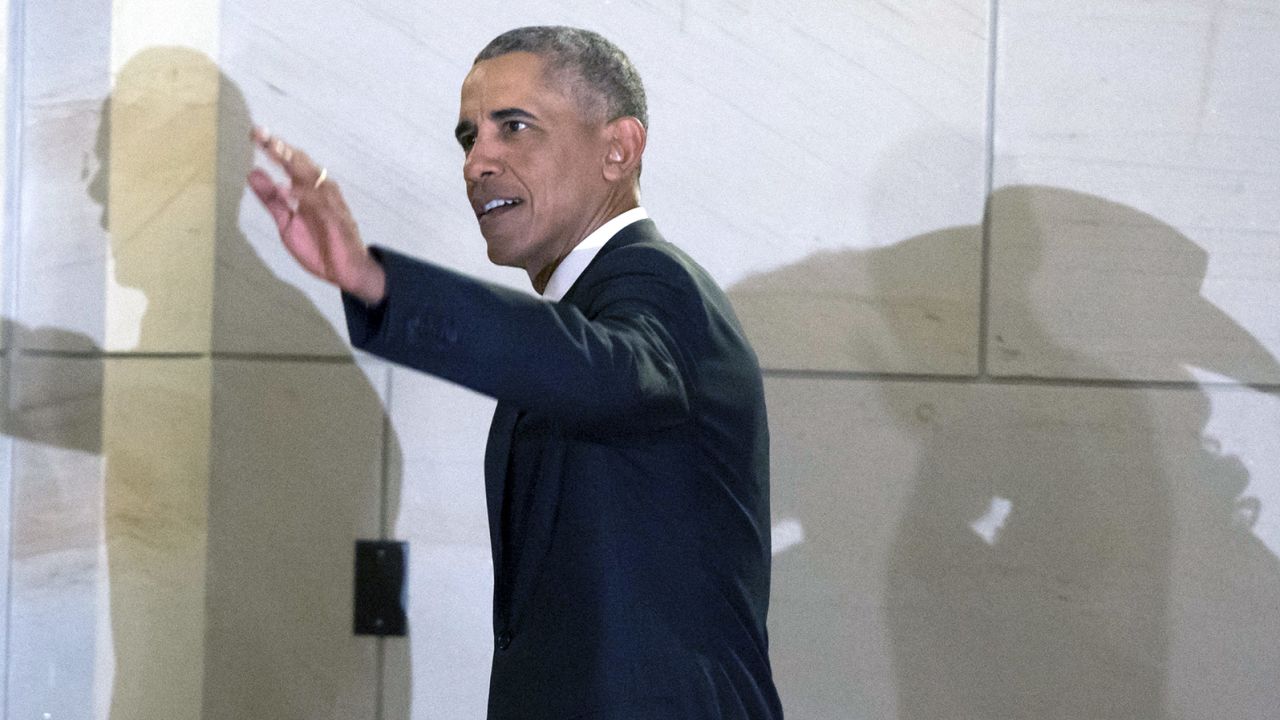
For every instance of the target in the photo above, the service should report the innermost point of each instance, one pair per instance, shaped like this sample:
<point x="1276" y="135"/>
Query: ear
<point x="626" y="138"/>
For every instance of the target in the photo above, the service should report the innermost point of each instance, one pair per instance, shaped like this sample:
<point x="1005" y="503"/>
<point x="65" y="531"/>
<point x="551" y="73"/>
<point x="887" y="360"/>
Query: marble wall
<point x="1011" y="269"/>
<point x="6" y="286"/>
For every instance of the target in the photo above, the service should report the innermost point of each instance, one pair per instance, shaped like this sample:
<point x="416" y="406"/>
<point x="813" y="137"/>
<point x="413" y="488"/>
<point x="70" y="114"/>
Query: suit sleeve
<point x="618" y="361"/>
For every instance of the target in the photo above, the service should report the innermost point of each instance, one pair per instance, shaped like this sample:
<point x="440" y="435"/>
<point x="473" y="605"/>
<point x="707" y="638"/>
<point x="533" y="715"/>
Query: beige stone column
<point x="159" y="135"/>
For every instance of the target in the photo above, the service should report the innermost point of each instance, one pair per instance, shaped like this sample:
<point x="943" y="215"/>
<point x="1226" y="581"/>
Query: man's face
<point x="534" y="162"/>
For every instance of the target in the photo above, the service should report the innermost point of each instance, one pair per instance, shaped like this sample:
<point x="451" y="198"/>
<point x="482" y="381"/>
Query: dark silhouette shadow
<point x="255" y="568"/>
<point x="1049" y="543"/>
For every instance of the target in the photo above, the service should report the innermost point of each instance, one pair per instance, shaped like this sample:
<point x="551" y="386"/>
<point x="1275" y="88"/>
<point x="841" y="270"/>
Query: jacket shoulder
<point x="641" y="249"/>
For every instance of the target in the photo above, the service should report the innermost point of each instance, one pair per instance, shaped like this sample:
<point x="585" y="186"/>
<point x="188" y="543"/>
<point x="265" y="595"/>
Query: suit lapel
<point x="496" y="455"/>
<point x="540" y="496"/>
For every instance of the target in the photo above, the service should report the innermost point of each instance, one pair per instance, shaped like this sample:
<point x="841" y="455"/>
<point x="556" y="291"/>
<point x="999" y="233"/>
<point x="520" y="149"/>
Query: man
<point x="627" y="464"/>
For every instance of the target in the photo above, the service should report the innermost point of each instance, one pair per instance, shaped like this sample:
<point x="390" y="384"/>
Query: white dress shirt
<point x="567" y="272"/>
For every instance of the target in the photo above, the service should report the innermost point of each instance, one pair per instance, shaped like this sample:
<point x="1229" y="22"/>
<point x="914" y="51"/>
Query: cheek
<point x="556" y="179"/>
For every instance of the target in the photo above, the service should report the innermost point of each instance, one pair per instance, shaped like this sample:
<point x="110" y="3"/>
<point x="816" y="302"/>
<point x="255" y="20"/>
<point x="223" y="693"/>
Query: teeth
<point x="492" y="204"/>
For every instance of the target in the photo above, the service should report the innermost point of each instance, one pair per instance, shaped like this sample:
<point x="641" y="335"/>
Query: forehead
<point x="512" y="80"/>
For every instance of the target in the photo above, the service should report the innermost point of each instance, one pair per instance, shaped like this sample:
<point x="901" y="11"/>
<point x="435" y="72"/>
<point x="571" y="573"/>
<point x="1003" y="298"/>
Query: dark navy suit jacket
<point x="627" y="480"/>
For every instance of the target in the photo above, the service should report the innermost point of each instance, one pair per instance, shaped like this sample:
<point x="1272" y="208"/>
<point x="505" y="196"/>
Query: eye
<point x="466" y="141"/>
<point x="514" y="126"/>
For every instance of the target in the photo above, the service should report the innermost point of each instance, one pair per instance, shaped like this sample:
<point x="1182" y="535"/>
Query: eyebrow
<point x="466" y="127"/>
<point x="511" y="113"/>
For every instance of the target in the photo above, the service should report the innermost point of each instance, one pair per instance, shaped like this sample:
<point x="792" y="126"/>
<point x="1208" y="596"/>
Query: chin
<point x="500" y="254"/>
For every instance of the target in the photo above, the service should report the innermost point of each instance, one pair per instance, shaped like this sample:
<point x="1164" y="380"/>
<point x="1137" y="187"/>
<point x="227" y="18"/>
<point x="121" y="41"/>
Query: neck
<point x="541" y="277"/>
<point x="544" y="276"/>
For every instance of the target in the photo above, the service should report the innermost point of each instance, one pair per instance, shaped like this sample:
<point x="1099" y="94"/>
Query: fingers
<point x="313" y="219"/>
<point x="302" y="171"/>
<point x="272" y="197"/>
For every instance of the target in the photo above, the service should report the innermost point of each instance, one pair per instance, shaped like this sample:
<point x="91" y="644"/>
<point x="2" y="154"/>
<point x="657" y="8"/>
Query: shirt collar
<point x="567" y="272"/>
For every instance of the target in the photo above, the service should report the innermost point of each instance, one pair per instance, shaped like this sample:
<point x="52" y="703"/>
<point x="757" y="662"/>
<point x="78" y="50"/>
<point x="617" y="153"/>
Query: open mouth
<point x="498" y="205"/>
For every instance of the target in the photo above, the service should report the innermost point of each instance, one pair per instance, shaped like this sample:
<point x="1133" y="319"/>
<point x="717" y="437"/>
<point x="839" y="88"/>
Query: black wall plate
<point x="381" y="591"/>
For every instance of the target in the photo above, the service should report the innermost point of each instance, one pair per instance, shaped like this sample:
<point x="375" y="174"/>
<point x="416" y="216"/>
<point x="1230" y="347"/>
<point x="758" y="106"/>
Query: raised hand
<point x="314" y="222"/>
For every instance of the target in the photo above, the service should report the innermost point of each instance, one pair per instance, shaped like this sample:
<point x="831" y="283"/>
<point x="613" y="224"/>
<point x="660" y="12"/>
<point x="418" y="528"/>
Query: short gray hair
<point x="595" y="70"/>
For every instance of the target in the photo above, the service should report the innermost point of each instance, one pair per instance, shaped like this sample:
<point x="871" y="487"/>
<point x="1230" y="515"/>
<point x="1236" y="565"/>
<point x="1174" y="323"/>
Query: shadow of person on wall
<point x="1040" y="564"/>
<point x="1054" y="541"/>
<point x="239" y="593"/>
<point x="295" y="441"/>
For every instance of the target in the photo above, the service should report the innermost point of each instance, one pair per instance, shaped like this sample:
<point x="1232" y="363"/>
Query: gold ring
<point x="324" y="175"/>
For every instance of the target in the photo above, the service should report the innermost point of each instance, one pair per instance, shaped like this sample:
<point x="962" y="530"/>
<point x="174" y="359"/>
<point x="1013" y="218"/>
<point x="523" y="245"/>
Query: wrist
<point x="372" y="286"/>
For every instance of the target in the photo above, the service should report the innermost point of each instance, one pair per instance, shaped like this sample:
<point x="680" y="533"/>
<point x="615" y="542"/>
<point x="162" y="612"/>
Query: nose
<point x="483" y="160"/>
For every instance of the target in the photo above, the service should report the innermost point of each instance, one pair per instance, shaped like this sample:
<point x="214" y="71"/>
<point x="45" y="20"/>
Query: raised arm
<point x="620" y="359"/>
